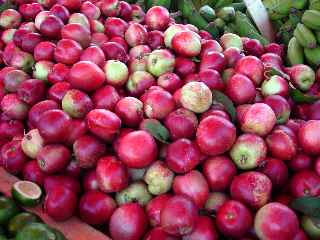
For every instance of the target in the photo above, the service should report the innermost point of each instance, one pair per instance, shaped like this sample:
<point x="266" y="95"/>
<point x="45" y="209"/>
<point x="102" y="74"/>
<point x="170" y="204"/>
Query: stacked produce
<point x="298" y="27"/>
<point x="19" y="225"/>
<point x="149" y="129"/>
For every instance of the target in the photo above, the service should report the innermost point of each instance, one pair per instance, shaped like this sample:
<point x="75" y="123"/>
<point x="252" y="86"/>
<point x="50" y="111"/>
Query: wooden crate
<point x="73" y="229"/>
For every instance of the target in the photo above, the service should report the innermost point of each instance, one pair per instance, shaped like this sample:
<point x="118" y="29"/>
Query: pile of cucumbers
<point x="215" y="16"/>
<point x="298" y="26"/>
<point x="19" y="225"/>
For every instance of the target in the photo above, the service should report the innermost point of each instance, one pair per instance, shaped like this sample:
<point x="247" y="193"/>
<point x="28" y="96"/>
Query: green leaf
<point x="271" y="71"/>
<point x="226" y="102"/>
<point x="300" y="97"/>
<point x="157" y="130"/>
<point x="310" y="206"/>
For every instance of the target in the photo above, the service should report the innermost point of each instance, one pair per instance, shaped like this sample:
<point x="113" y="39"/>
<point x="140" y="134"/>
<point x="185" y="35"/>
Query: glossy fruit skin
<point x="204" y="230"/>
<point x="13" y="107"/>
<point x="193" y="185"/>
<point x="112" y="174"/>
<point x="92" y="77"/>
<point x="103" y="123"/>
<point x="213" y="60"/>
<point x="252" y="67"/>
<point x="234" y="219"/>
<point x="93" y="54"/>
<point x="114" y="51"/>
<point x="210" y="130"/>
<point x="179" y="216"/>
<point x="59" y="73"/>
<point x="158" y="233"/>
<point x="53" y="158"/>
<point x="60" y="203"/>
<point x="32" y="172"/>
<point x="38" y="109"/>
<point x="158" y="104"/>
<point x="137" y="149"/>
<point x="58" y="90"/>
<point x="128" y="222"/>
<point x="53" y="181"/>
<point x="52" y="125"/>
<point x="285" y="224"/>
<point x="186" y="43"/>
<point x="181" y="123"/>
<point x="60" y="11"/>
<point x="105" y="98"/>
<point x="88" y="149"/>
<point x="96" y="207"/>
<point x="282" y="143"/>
<point x="78" y="33"/>
<point x="183" y="155"/>
<point x="252" y="188"/>
<point x="12" y="157"/>
<point x="240" y="89"/>
<point x="300" y="162"/>
<point x="154" y="208"/>
<point x="89" y="181"/>
<point x="219" y="172"/>
<point x="259" y="119"/>
<point x="184" y="66"/>
<point x="157" y="18"/>
<point x="115" y="27"/>
<point x="11" y="128"/>
<point x="67" y="51"/>
<point x="31" y="91"/>
<point x="130" y="110"/>
<point x="305" y="183"/>
<point x="307" y="138"/>
<point x="276" y="170"/>
<point x="51" y="27"/>
<point x="76" y="103"/>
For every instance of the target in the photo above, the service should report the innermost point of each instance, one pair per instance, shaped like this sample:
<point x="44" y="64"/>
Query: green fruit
<point x="36" y="231"/>
<point x="151" y="3"/>
<point x="299" y="4"/>
<point x="222" y="3"/>
<point x="245" y="28"/>
<point x="8" y="209"/>
<point x="304" y="36"/>
<point x="310" y="18"/>
<point x="207" y="12"/>
<point x="314" y="5"/>
<point x="135" y="192"/>
<point x="20" y="221"/>
<point x="312" y="56"/>
<point x="27" y="193"/>
<point x="2" y="237"/>
<point x="310" y="227"/>
<point x="227" y="14"/>
<point x="295" y="52"/>
<point x="219" y="24"/>
<point x="277" y="9"/>
<point x="318" y="36"/>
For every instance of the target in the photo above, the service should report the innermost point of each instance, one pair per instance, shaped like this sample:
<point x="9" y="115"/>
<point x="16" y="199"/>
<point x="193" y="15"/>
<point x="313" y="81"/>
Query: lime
<point x="27" y="193"/>
<point x="19" y="221"/>
<point x="3" y="237"/>
<point x="36" y="231"/>
<point x="8" y="209"/>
